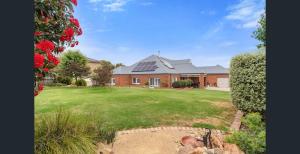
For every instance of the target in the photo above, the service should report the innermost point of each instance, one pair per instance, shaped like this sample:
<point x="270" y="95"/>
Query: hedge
<point x="182" y="83"/>
<point x="248" y="82"/>
<point x="80" y="82"/>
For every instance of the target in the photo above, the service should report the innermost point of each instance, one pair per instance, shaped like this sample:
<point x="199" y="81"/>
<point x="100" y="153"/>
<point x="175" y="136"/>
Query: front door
<point x="154" y="82"/>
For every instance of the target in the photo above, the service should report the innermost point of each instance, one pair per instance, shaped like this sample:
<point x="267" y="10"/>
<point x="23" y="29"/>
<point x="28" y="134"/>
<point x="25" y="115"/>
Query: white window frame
<point x="135" y="80"/>
<point x="156" y="82"/>
<point x="113" y="81"/>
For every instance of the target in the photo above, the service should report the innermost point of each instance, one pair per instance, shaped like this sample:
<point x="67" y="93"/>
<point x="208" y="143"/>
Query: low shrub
<point x="80" y="82"/>
<point x="248" y="82"/>
<point x="65" y="133"/>
<point x="55" y="84"/>
<point x="182" y="83"/>
<point x="64" y="80"/>
<point x="251" y="139"/>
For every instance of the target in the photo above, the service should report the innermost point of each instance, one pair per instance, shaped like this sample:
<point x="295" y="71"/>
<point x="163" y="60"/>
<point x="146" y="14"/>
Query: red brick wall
<point x="212" y="78"/>
<point x="126" y="80"/>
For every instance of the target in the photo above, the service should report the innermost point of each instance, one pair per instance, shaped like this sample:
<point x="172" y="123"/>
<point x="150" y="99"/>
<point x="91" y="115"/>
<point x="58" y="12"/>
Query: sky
<point x="209" y="32"/>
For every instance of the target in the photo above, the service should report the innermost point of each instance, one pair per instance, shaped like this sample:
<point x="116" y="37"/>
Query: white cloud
<point x="109" y="5"/>
<point x="246" y="13"/>
<point x="213" y="31"/>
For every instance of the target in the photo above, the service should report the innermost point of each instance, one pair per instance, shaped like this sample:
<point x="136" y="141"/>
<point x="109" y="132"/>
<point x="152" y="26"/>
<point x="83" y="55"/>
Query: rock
<point x="198" y="150"/>
<point x="104" y="149"/>
<point x="186" y="149"/>
<point x="232" y="149"/>
<point x="217" y="141"/>
<point x="219" y="151"/>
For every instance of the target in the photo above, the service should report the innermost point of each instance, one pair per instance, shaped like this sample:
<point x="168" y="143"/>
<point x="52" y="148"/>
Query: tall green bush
<point x="248" y="82"/>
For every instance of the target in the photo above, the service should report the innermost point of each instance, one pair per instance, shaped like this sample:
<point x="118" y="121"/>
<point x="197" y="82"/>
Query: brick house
<point x="156" y="71"/>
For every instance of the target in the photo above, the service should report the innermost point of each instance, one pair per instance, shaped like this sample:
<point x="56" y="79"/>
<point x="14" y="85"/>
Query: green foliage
<point x="182" y="83"/>
<point x="61" y="134"/>
<point x="80" y="82"/>
<point x="55" y="84"/>
<point x="73" y="64"/>
<point x="103" y="73"/>
<point x="248" y="82"/>
<point x="252" y="139"/>
<point x="118" y="65"/>
<point x="260" y="33"/>
<point x="63" y="80"/>
<point x="67" y="133"/>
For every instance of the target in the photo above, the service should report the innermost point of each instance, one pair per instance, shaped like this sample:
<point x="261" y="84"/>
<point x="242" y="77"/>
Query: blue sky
<point x="209" y="32"/>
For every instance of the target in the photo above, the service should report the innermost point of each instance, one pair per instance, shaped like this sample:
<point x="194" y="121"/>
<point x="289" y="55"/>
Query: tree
<point x="119" y="64"/>
<point x="73" y="64"/>
<point x="260" y="33"/>
<point x="103" y="73"/>
<point x="55" y="29"/>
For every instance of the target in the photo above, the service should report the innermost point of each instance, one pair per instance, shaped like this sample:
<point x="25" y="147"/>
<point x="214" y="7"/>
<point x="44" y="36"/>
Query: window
<point x="135" y="81"/>
<point x="113" y="81"/>
<point x="154" y="82"/>
<point x="174" y="79"/>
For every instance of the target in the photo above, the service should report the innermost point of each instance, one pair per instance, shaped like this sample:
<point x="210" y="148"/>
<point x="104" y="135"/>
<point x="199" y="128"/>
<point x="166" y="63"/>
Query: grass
<point x="125" y="108"/>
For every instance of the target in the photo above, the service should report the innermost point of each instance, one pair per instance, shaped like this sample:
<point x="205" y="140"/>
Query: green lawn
<point x="124" y="108"/>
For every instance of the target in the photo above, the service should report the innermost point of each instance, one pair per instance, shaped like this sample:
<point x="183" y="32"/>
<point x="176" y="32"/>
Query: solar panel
<point x="145" y="67"/>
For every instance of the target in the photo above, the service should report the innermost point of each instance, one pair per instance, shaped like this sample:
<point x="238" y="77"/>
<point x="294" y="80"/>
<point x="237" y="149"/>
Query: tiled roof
<point x="168" y="66"/>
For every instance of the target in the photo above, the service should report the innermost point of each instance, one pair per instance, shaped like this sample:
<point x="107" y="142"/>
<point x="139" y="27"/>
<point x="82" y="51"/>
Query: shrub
<point x="65" y="133"/>
<point x="252" y="139"/>
<point x="182" y="83"/>
<point x="80" y="82"/>
<point x="248" y="82"/>
<point x="61" y="134"/>
<point x="55" y="84"/>
<point x="64" y="80"/>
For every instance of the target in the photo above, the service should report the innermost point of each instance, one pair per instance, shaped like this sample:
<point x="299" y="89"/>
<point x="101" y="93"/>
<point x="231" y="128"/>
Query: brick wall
<point x="212" y="78"/>
<point x="126" y="80"/>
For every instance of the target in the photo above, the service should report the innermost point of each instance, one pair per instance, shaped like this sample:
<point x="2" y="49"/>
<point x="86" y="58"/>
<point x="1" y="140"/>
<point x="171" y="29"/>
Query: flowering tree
<point x="55" y="29"/>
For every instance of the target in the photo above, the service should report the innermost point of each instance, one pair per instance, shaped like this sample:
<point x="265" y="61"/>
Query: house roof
<point x="168" y="66"/>
<point x="218" y="69"/>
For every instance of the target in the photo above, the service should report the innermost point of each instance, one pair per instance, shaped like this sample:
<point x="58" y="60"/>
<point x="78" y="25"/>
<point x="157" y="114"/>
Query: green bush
<point x="64" y="80"/>
<point x="66" y="133"/>
<point x="182" y="83"/>
<point x="55" y="84"/>
<point x="252" y="139"/>
<point x="248" y="82"/>
<point x="80" y="82"/>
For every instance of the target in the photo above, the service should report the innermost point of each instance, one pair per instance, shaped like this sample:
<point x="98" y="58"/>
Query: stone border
<point x="236" y="124"/>
<point x="154" y="129"/>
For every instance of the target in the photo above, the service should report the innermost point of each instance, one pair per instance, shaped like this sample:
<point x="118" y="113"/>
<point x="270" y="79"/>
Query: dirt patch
<point x="210" y="120"/>
<point x="150" y="142"/>
<point x="223" y="104"/>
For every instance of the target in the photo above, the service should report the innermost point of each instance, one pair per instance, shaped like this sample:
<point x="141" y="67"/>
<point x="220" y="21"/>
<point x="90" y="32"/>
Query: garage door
<point x="223" y="82"/>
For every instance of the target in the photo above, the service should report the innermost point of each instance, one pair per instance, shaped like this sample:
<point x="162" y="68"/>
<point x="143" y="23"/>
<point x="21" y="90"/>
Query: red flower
<point x="52" y="59"/>
<point x="79" y="31"/>
<point x="60" y="49"/>
<point x="39" y="75"/>
<point x="67" y="34"/>
<point x="37" y="33"/>
<point x="36" y="93"/>
<point x="45" y="45"/>
<point x="76" y="42"/>
<point x="46" y="69"/>
<point x="38" y="60"/>
<point x="74" y="2"/>
<point x="75" y="22"/>
<point x="41" y="87"/>
<point x="72" y="45"/>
